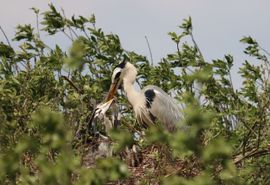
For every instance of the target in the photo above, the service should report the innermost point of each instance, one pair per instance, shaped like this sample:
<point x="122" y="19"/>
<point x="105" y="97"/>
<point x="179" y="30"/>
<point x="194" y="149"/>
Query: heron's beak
<point x="112" y="91"/>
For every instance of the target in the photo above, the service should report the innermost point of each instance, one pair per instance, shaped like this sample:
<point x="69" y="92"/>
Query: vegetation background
<point x="47" y="95"/>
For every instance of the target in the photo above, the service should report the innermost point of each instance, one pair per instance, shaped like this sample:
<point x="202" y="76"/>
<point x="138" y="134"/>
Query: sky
<point x="218" y="25"/>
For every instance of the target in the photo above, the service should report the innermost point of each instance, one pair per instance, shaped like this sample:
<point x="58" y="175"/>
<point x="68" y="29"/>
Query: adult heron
<point x="150" y="104"/>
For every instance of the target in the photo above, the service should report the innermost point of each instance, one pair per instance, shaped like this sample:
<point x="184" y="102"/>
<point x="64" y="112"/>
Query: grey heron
<point x="150" y="104"/>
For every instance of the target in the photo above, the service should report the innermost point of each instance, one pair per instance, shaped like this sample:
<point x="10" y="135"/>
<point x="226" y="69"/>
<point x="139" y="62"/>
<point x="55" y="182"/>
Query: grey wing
<point x="163" y="107"/>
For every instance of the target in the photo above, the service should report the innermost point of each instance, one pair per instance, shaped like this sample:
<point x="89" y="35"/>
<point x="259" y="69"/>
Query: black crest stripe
<point x="122" y="64"/>
<point x="117" y="75"/>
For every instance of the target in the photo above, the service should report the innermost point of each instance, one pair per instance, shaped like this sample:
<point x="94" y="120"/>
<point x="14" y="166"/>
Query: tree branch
<point x="72" y="84"/>
<point x="197" y="47"/>
<point x="253" y="153"/>
<point x="151" y="56"/>
<point x="5" y="36"/>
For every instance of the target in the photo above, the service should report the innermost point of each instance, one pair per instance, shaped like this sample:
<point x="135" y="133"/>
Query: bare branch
<point x="253" y="153"/>
<point x="148" y="45"/>
<point x="196" y="46"/>
<point x="265" y="51"/>
<point x="37" y="24"/>
<point x="5" y="36"/>
<point x="71" y="36"/>
<point x="72" y="84"/>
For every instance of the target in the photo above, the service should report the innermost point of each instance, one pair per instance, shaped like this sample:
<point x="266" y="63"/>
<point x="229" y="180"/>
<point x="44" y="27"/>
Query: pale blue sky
<point x="218" y="25"/>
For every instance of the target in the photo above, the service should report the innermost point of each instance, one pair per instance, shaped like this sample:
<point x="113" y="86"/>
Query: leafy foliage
<point x="47" y="96"/>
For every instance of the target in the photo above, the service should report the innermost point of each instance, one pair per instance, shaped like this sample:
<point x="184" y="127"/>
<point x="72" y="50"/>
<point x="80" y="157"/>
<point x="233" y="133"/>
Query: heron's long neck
<point x="130" y="91"/>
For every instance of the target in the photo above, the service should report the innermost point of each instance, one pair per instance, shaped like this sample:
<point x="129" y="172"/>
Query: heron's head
<point x="117" y="78"/>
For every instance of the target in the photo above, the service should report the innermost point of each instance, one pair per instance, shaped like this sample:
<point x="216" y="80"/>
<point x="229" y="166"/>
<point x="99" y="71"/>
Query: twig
<point x="37" y="22"/>
<point x="259" y="135"/>
<point x="16" y="65"/>
<point x="263" y="116"/>
<point x="90" y="123"/>
<point x="72" y="84"/>
<point x="180" y="59"/>
<point x="230" y="78"/>
<point x="178" y="51"/>
<point x="71" y="36"/>
<point x="25" y="67"/>
<point x="5" y="36"/>
<point x="69" y="27"/>
<point x="196" y="46"/>
<point x="246" y="138"/>
<point x="76" y="35"/>
<point x="86" y="34"/>
<point x="265" y="51"/>
<point x="253" y="153"/>
<point x="148" y="45"/>
<point x="250" y="128"/>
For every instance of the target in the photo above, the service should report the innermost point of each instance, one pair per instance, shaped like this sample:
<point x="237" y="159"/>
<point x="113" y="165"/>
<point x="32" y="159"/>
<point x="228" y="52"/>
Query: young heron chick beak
<point x="102" y="108"/>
